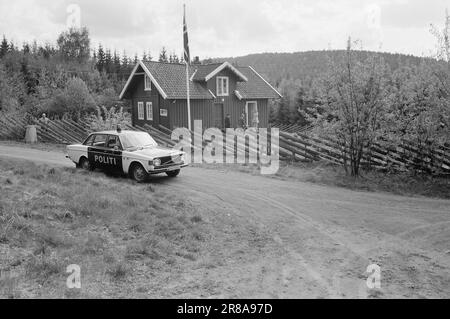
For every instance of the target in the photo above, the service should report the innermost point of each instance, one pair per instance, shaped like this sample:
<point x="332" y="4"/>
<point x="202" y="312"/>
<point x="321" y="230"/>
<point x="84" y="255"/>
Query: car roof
<point x="117" y="133"/>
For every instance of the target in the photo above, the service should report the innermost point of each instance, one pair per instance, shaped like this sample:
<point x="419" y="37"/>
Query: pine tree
<point x="116" y="63"/>
<point x="108" y="62"/>
<point x="125" y="64"/>
<point x="12" y="47"/>
<point x="101" y="59"/>
<point x="4" y="47"/>
<point x="163" y="55"/>
<point x="144" y="57"/>
<point x="175" y="58"/>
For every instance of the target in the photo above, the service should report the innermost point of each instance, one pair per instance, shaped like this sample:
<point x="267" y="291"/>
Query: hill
<point x="307" y="65"/>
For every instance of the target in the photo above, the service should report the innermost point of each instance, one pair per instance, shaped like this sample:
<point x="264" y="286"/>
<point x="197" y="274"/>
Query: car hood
<point x="155" y="152"/>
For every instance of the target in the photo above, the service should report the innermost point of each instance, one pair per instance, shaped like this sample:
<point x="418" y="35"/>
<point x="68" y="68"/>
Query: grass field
<point x="130" y="240"/>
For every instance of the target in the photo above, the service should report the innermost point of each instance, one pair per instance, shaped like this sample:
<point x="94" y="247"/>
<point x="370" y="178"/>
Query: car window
<point x="114" y="141"/>
<point x="137" y="139"/>
<point x="89" y="140"/>
<point x="100" y="140"/>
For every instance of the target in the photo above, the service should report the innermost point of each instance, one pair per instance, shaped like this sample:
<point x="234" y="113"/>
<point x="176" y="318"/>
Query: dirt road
<point x="322" y="238"/>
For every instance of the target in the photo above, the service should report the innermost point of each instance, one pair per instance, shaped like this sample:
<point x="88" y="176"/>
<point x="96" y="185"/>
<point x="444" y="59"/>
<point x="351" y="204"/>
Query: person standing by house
<point x="242" y="123"/>
<point x="44" y="120"/>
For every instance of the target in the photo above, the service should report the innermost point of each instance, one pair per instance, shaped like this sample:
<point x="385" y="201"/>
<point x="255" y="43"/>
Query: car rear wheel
<point x="173" y="173"/>
<point x="138" y="173"/>
<point x="84" y="164"/>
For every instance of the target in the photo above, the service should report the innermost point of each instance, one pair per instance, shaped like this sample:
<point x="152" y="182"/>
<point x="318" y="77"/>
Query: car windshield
<point x="138" y="140"/>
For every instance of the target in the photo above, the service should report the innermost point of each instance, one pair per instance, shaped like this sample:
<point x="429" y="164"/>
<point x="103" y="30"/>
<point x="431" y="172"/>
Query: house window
<point x="149" y="109"/>
<point x="222" y="86"/>
<point x="141" y="111"/>
<point x="148" y="83"/>
<point x="163" y="112"/>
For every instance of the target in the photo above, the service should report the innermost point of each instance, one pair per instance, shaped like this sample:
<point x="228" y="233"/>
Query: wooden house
<point x="159" y="96"/>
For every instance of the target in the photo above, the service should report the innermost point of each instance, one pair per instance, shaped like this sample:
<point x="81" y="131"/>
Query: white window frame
<point x="149" y="110"/>
<point x="147" y="83"/>
<point x="140" y="109"/>
<point x="220" y="85"/>
<point x="163" y="112"/>
<point x="249" y="119"/>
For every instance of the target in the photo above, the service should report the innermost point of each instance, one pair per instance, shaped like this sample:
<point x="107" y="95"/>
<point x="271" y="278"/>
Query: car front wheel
<point x="173" y="173"/>
<point x="138" y="173"/>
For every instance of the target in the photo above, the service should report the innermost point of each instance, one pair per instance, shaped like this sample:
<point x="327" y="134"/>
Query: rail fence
<point x="296" y="144"/>
<point x="302" y="145"/>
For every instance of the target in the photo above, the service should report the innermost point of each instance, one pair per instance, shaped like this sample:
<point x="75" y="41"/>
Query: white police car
<point x="133" y="153"/>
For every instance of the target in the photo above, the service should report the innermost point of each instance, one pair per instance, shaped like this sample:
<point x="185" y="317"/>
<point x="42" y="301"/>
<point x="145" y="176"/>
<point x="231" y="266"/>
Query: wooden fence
<point x="305" y="146"/>
<point x="296" y="144"/>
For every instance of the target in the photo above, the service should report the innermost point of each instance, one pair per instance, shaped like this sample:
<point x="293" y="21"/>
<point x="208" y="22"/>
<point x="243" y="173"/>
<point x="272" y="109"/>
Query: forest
<point x="66" y="78"/>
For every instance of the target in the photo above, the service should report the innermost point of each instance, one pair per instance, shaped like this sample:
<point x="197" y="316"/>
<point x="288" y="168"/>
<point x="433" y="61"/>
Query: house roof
<point x="170" y="80"/>
<point x="208" y="71"/>
<point x="256" y="87"/>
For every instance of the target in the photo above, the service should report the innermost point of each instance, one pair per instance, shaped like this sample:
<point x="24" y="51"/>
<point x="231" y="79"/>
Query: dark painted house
<point x="159" y="96"/>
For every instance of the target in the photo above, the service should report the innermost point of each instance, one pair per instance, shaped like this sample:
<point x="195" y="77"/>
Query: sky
<point x="229" y="28"/>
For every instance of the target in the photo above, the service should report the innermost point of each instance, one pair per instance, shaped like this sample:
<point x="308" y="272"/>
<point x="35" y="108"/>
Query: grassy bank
<point x="129" y="240"/>
<point x="37" y="146"/>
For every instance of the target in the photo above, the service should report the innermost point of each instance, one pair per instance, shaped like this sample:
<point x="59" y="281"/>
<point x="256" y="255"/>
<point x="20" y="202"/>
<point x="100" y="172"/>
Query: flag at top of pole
<point x="187" y="59"/>
<point x="187" y="55"/>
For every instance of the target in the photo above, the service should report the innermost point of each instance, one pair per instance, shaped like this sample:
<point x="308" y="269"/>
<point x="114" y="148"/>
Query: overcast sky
<point x="232" y="27"/>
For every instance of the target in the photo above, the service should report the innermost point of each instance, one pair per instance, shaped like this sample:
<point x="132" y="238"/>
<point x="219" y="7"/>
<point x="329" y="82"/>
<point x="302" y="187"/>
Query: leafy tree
<point x="284" y="109"/>
<point x="9" y="96"/>
<point x="74" y="45"/>
<point x="353" y="99"/>
<point x="75" y="99"/>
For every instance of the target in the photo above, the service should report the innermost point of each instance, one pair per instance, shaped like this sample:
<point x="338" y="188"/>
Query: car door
<point x="113" y="153"/>
<point x="97" y="151"/>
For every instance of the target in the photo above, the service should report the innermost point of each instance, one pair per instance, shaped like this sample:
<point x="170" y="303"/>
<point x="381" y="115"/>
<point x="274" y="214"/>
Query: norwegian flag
<point x="187" y="55"/>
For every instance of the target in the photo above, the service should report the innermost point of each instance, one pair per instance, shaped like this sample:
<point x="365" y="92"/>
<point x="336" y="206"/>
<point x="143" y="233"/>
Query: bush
<point x="109" y="119"/>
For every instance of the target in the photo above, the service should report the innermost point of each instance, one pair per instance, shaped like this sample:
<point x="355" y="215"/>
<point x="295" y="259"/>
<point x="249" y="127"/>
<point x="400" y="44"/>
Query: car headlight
<point x="157" y="162"/>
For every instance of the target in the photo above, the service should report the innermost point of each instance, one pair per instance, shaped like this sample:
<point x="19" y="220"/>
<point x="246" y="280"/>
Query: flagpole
<point x="187" y="57"/>
<point x="188" y="96"/>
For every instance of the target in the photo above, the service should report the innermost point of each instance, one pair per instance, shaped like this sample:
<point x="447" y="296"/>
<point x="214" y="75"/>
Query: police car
<point x="134" y="153"/>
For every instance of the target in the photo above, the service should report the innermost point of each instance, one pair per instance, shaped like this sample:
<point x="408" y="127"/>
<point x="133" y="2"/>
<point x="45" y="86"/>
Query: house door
<point x="164" y="114"/>
<point x="251" y="110"/>
<point x="217" y="116"/>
